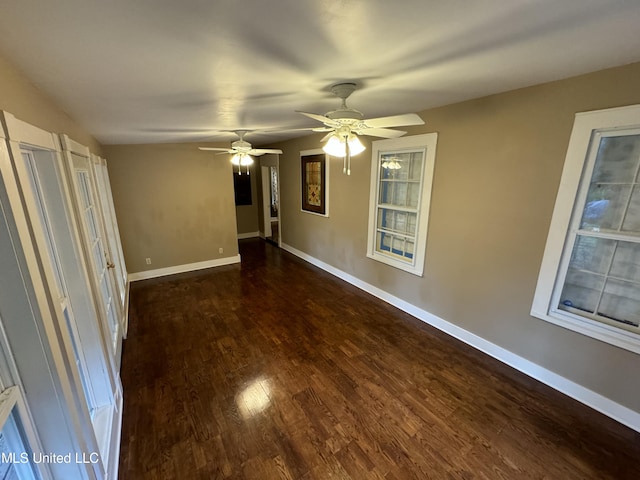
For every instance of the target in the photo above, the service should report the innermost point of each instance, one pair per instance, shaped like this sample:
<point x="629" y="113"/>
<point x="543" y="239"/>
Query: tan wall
<point x="174" y="204"/>
<point x="21" y="98"/>
<point x="247" y="215"/>
<point x="498" y="166"/>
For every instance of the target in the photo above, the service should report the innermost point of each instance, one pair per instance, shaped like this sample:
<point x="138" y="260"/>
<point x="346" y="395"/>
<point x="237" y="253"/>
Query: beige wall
<point x="174" y="204"/>
<point x="247" y="215"/>
<point x="21" y="98"/>
<point x="498" y="166"/>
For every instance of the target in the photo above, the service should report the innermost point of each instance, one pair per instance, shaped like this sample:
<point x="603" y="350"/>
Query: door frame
<point x="267" y="161"/>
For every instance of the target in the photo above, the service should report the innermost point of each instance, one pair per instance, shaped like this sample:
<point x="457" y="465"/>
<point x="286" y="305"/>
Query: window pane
<point x="397" y="221"/>
<point x="400" y="194"/>
<point x="386" y="192"/>
<point x="605" y="207"/>
<point x="98" y="257"/>
<point x="592" y="254"/>
<point x="397" y="246"/>
<point x="626" y="262"/>
<point x="413" y="194"/>
<point x="409" y="249"/>
<point x="415" y="172"/>
<point x="632" y="218"/>
<point x="383" y="242"/>
<point x="617" y="160"/>
<point x="614" y="174"/>
<point x="14" y="447"/>
<point x="621" y="302"/>
<point x="581" y="290"/>
<point x="400" y="175"/>
<point x="604" y="278"/>
<point x="83" y="181"/>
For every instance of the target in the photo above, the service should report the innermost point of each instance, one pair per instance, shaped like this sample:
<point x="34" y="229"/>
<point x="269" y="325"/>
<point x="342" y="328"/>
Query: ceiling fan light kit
<point x="344" y="147"/>
<point x="242" y="151"/>
<point x="345" y="124"/>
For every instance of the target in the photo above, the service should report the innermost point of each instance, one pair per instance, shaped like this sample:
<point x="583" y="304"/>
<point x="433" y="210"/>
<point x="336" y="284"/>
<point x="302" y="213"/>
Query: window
<point x="401" y="179"/>
<point x="590" y="275"/>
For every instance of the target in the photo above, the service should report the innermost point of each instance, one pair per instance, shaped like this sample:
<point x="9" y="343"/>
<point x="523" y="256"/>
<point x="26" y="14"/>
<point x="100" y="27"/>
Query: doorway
<point x="270" y="176"/>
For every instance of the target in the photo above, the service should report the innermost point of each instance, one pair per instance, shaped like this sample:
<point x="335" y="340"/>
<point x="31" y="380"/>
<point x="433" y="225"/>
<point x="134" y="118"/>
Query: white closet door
<point x="35" y="304"/>
<point x="89" y="215"/>
<point x="110" y="224"/>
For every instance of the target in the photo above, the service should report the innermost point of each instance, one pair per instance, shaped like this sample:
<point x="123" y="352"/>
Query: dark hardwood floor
<point x="276" y="370"/>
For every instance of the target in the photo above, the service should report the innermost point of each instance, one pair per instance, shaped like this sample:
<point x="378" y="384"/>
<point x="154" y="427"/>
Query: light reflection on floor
<point x="254" y="398"/>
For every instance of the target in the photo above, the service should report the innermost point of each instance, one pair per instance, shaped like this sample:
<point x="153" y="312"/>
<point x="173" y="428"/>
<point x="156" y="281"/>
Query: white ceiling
<point x="150" y="71"/>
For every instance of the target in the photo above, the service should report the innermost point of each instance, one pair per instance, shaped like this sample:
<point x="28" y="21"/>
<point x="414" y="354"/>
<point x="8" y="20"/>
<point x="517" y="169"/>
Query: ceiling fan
<point x="345" y="124"/>
<point x="242" y="151"/>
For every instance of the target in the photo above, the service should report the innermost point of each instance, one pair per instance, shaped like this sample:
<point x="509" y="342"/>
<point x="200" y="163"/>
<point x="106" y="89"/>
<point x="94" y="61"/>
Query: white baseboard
<point x="598" y="402"/>
<point x="242" y="236"/>
<point x="189" y="267"/>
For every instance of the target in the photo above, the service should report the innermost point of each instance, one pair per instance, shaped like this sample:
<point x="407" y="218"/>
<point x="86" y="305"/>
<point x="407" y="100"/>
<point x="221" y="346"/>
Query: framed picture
<point x="314" y="175"/>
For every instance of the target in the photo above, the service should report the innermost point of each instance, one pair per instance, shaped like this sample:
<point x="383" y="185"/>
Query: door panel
<point x="112" y="236"/>
<point x="89" y="215"/>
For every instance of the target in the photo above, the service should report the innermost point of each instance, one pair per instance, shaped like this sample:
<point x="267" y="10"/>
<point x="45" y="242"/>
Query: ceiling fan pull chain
<point x="348" y="156"/>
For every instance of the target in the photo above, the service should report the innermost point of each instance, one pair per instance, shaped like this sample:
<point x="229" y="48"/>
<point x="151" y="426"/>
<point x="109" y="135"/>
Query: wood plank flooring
<point x="276" y="370"/>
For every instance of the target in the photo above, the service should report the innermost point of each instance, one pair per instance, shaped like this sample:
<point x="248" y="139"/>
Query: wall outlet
<point x="220" y="250"/>
<point x="148" y="260"/>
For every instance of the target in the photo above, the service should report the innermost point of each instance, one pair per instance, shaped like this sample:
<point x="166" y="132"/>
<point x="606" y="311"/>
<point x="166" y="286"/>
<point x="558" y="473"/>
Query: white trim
<point x="127" y="293"/>
<point x="242" y="236"/>
<point x="598" y="402"/>
<point x="74" y="147"/>
<point x="427" y="143"/>
<point x="23" y="132"/>
<point x="189" y="267"/>
<point x="586" y="128"/>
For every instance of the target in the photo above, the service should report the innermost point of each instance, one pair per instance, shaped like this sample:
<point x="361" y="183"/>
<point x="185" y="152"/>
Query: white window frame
<point x="426" y="142"/>
<point x="576" y="176"/>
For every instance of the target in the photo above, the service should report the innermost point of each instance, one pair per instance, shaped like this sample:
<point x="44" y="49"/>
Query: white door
<point x="44" y="211"/>
<point x="89" y="214"/>
<point x="110" y="225"/>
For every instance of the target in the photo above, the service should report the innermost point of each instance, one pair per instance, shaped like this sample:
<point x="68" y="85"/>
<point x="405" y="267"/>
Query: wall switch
<point x="148" y="260"/>
<point x="220" y="250"/>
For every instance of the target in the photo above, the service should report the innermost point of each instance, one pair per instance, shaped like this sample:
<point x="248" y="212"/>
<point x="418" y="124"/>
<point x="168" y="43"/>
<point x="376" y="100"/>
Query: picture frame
<point x="314" y="177"/>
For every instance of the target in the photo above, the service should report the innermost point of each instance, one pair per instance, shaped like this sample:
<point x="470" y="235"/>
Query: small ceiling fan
<point x="242" y="151"/>
<point x="345" y="124"/>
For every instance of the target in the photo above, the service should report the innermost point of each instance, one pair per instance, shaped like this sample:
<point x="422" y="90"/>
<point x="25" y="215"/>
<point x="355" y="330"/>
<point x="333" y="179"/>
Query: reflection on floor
<point x="275" y="233"/>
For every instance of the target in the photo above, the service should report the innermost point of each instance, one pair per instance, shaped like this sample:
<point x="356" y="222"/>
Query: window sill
<point x="612" y="335"/>
<point x="414" y="270"/>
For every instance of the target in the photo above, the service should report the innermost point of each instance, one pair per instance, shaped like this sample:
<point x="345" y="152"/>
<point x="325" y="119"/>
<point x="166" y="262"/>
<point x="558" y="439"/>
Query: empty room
<point x="319" y="239"/>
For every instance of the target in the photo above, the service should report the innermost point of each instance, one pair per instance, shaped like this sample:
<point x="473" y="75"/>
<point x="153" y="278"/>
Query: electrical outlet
<point x="220" y="250"/>
<point x="148" y="260"/>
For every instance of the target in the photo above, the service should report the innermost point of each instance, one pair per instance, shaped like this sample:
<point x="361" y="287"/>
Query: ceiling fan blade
<point x="394" y="121"/>
<point x="320" y="118"/>
<point x="327" y="136"/>
<point x="262" y="151"/>
<point x="381" y="132"/>
<point x="213" y="149"/>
